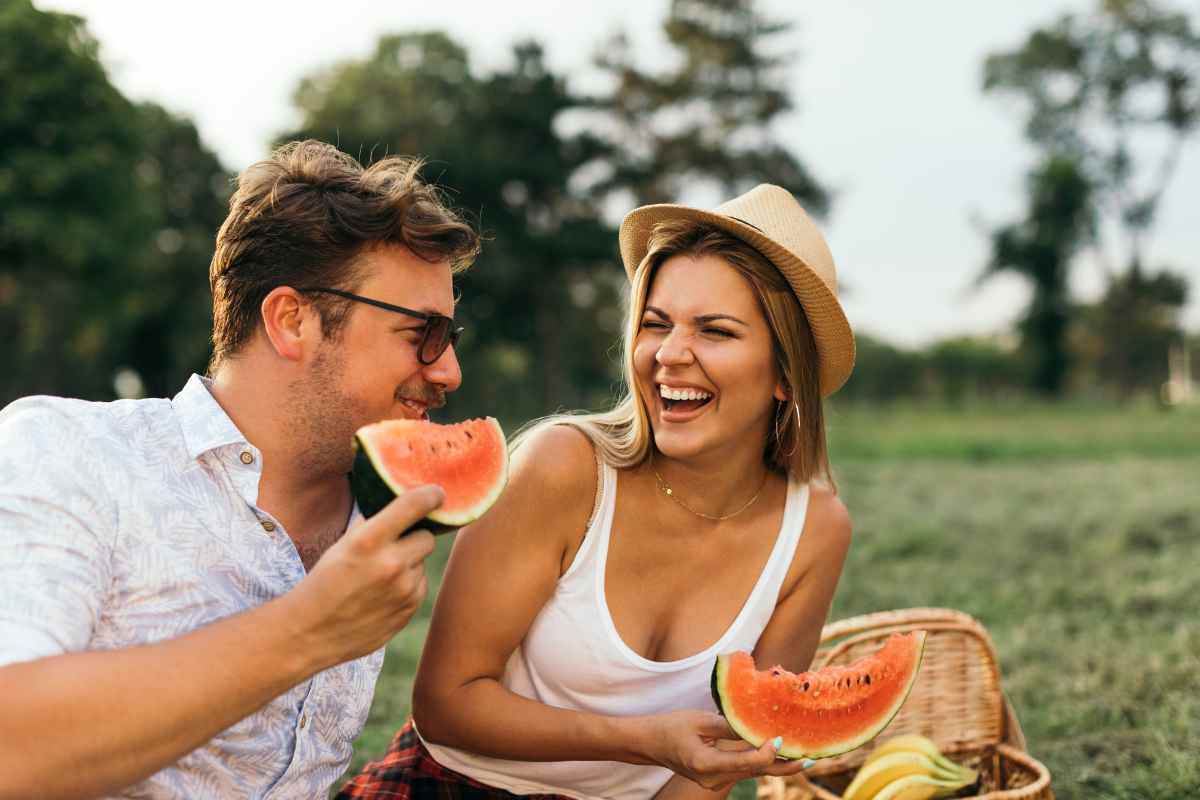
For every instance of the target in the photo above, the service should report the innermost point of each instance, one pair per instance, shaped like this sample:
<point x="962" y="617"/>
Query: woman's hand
<point x="700" y="746"/>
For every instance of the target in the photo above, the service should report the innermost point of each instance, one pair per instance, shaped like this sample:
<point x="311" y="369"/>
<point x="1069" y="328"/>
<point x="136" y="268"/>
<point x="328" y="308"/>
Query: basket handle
<point x="904" y="616"/>
<point x="970" y="630"/>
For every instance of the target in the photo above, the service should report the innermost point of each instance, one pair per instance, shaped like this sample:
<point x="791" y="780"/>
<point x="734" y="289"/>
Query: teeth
<point x="683" y="394"/>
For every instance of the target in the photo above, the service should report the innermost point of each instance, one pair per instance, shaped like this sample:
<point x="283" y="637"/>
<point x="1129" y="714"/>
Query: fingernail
<point x="806" y="763"/>
<point x="778" y="742"/>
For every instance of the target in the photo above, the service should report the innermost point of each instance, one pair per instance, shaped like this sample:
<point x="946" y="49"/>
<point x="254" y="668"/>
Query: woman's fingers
<point x="724" y="762"/>
<point x="715" y="726"/>
<point x="782" y="767"/>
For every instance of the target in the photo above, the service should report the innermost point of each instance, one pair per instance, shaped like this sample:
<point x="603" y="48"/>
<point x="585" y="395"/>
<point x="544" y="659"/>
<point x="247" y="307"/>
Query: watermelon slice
<point x="468" y="460"/>
<point x="820" y="713"/>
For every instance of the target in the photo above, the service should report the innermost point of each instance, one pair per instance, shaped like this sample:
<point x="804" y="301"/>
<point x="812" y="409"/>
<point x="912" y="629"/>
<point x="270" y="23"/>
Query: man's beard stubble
<point x="323" y="418"/>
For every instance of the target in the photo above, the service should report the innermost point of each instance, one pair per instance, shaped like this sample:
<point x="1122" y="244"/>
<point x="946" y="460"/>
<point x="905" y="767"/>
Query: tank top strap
<point x="595" y="537"/>
<point x="784" y="553"/>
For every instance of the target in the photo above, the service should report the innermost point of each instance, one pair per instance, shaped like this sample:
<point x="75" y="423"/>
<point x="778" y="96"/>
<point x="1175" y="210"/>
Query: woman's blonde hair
<point x="796" y="442"/>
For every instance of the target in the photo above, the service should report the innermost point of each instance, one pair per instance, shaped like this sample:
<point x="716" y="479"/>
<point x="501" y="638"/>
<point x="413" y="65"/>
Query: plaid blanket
<point x="408" y="772"/>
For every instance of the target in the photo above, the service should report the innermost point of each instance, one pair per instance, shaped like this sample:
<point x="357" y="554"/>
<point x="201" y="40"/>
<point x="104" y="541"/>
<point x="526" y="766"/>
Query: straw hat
<point x="770" y="220"/>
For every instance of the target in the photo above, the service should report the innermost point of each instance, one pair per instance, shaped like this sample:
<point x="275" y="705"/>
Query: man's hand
<point x="129" y="712"/>
<point x="368" y="585"/>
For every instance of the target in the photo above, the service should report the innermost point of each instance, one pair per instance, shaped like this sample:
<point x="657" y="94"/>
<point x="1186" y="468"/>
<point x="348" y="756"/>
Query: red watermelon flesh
<point x="818" y="713"/>
<point x="469" y="460"/>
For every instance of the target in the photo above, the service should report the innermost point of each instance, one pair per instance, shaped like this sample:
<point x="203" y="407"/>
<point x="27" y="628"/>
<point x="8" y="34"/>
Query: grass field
<point x="1072" y="533"/>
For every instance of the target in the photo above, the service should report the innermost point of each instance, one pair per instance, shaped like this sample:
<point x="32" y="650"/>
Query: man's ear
<point x="291" y="323"/>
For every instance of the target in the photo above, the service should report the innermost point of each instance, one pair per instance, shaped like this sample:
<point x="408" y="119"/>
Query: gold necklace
<point x="669" y="492"/>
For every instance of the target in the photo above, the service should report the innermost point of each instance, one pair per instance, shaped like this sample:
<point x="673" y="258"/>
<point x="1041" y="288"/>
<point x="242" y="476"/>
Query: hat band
<point x="751" y="224"/>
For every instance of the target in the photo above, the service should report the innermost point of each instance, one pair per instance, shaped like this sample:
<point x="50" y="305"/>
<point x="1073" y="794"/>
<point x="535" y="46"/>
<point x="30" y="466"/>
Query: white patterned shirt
<point x="136" y="521"/>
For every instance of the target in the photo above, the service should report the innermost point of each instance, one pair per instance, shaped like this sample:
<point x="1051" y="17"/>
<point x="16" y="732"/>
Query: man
<point x="190" y="605"/>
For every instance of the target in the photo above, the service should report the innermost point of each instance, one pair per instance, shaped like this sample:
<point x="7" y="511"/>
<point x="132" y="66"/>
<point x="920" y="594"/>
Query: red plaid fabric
<point x="408" y="772"/>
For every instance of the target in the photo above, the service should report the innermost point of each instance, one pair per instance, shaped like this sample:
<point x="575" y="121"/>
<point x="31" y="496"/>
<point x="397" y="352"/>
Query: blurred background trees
<point x="107" y="215"/>
<point x="108" y="208"/>
<point x="1111" y="98"/>
<point x="708" y="120"/>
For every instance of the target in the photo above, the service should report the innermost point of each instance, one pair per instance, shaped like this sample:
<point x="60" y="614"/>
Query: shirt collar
<point x="205" y="424"/>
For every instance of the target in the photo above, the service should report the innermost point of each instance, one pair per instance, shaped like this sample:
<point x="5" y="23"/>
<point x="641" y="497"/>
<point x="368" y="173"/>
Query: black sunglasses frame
<point x="450" y="338"/>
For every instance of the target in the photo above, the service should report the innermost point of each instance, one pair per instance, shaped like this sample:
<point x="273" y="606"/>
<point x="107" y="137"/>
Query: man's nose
<point x="446" y="371"/>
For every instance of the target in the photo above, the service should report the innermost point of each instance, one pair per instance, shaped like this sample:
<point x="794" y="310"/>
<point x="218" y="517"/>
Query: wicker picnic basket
<point x="956" y="701"/>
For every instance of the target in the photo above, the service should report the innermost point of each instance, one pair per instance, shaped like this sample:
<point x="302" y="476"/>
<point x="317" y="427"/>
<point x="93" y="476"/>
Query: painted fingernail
<point x="806" y="763"/>
<point x="778" y="742"/>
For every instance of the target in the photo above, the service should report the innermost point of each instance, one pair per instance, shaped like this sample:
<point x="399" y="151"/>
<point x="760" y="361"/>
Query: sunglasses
<point x="437" y="335"/>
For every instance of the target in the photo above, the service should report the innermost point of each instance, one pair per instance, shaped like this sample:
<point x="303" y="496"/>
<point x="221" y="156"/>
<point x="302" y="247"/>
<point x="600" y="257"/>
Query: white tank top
<point x="572" y="657"/>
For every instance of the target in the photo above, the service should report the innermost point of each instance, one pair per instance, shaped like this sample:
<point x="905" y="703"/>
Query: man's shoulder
<point x="65" y="425"/>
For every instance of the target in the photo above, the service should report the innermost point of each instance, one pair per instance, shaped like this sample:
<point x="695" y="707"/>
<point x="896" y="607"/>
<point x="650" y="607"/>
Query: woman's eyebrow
<point x="700" y="320"/>
<point x="703" y="318"/>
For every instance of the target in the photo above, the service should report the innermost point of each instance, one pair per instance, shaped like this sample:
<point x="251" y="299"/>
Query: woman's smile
<point x="683" y="403"/>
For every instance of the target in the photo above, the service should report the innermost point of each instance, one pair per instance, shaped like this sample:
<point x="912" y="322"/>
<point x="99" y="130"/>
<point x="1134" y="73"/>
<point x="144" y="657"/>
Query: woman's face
<point x="703" y="358"/>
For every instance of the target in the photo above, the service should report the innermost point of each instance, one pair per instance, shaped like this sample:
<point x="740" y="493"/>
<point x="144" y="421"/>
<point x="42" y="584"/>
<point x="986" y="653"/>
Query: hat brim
<point x="830" y="329"/>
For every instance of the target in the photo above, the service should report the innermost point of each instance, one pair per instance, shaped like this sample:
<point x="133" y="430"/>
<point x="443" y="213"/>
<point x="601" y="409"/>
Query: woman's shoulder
<point x="827" y="517"/>
<point x="559" y="461"/>
<point x="825" y="538"/>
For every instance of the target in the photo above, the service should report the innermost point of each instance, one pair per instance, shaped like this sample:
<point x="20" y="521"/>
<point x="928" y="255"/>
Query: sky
<point x="889" y="114"/>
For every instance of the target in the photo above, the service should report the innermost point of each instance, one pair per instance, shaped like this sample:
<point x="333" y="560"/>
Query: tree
<point x="90" y="205"/>
<point x="709" y="119"/>
<point x="1098" y="88"/>
<point x="1058" y="223"/>
<point x="69" y="148"/>
<point x="541" y="305"/>
<point x="1129" y="332"/>
<point x="187" y="190"/>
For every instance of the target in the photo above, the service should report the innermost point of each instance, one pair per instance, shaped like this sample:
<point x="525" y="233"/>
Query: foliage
<point x="107" y="211"/>
<point x="1098" y="90"/>
<point x="708" y="119"/>
<point x="1058" y="223"/>
<point x="882" y="373"/>
<point x="1093" y="84"/>
<point x="949" y="371"/>
<point x="545" y="290"/>
<point x="1127" y="334"/>
<point x="968" y="368"/>
<point x="1075" y="547"/>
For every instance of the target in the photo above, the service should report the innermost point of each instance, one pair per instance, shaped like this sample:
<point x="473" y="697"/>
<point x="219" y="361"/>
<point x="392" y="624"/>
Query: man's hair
<point x="302" y="217"/>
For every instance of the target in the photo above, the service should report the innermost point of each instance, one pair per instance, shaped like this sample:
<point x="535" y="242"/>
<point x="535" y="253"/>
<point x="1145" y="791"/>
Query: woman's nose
<point x="674" y="350"/>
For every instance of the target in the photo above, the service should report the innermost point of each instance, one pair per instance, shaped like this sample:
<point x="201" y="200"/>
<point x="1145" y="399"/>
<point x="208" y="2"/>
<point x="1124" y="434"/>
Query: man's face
<point x="371" y="372"/>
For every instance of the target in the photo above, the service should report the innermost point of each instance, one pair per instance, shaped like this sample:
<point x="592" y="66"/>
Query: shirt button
<point x="303" y="720"/>
<point x="247" y="457"/>
<point x="268" y="526"/>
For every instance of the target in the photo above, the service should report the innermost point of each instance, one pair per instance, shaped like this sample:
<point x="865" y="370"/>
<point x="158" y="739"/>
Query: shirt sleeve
<point x="56" y="531"/>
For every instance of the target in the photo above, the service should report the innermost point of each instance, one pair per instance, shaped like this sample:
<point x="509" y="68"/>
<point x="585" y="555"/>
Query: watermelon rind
<point x="373" y="489"/>
<point x="720" y="677"/>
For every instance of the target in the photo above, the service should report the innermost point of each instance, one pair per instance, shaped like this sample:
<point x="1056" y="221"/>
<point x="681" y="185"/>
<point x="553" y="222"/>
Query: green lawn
<point x="1072" y="533"/>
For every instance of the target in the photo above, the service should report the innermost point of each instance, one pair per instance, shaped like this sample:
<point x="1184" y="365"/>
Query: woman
<point x="573" y="640"/>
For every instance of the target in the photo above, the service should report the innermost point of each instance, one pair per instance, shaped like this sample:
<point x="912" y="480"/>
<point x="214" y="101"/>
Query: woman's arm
<point x="501" y="573"/>
<point x="793" y="634"/>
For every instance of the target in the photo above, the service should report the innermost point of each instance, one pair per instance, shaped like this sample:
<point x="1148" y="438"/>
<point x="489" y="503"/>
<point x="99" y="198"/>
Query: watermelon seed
<point x="867" y="678"/>
<point x="468" y="433"/>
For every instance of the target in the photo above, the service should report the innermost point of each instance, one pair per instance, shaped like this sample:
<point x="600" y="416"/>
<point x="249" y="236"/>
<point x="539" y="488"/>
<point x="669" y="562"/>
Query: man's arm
<point x="89" y="723"/>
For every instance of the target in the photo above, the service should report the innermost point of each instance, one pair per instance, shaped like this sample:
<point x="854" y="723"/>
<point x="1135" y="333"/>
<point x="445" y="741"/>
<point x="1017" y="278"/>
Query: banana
<point x="878" y="773"/>
<point x="914" y="743"/>
<point x="917" y="787"/>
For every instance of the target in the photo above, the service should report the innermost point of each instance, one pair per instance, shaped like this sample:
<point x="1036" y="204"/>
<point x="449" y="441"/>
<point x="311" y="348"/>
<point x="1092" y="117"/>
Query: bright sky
<point x="889" y="114"/>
